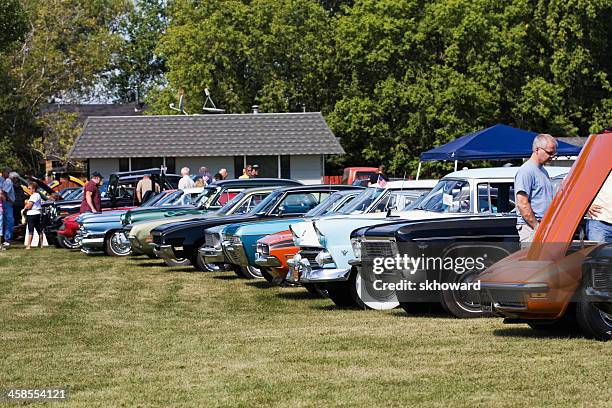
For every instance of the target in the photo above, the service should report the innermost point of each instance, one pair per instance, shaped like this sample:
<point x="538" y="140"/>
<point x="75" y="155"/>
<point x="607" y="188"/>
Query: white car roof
<point x="410" y="184"/>
<point x="193" y="190"/>
<point x="501" y="172"/>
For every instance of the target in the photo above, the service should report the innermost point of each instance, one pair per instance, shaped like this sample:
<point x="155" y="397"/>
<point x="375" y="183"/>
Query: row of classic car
<point x="327" y="238"/>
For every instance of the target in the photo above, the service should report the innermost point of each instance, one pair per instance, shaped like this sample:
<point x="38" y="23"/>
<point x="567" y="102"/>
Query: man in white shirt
<point x="599" y="226"/>
<point x="185" y="181"/>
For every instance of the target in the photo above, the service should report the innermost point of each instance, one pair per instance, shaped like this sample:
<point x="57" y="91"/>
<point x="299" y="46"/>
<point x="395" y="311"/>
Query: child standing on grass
<point x="33" y="207"/>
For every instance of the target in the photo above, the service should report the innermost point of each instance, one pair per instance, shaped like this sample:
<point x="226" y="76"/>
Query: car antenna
<point x="401" y="189"/>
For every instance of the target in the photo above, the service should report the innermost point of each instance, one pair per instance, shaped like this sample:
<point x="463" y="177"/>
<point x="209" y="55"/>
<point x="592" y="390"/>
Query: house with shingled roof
<point x="288" y="145"/>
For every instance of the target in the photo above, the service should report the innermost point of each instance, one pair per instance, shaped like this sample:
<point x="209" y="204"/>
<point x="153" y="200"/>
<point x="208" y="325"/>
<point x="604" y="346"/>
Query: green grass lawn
<point x="131" y="332"/>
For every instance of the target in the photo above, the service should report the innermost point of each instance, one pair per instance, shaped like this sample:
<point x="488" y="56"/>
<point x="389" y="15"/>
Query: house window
<point x="268" y="165"/>
<point x="171" y="165"/>
<point x="141" y="163"/>
<point x="124" y="164"/>
<point x="238" y="165"/>
<point x="285" y="167"/>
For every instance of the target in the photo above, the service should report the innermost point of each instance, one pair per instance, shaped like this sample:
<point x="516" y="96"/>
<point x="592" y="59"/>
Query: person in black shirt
<point x="380" y="173"/>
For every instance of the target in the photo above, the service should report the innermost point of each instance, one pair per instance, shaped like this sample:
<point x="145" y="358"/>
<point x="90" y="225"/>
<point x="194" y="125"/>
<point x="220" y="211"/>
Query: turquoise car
<point x="247" y="234"/>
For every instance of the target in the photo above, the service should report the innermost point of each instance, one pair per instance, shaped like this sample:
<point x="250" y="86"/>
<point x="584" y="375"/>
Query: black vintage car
<point x="181" y="240"/>
<point x="119" y="192"/>
<point x="484" y="239"/>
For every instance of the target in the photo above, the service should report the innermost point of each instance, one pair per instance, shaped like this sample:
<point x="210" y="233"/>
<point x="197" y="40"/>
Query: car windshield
<point x="398" y="200"/>
<point x="325" y="206"/>
<point x="363" y="201"/>
<point x="168" y="199"/>
<point x="74" y="195"/>
<point x="223" y="196"/>
<point x="154" y="198"/>
<point x="267" y="203"/>
<point x="231" y="203"/>
<point x="417" y="202"/>
<point x="448" y="196"/>
<point x="250" y="202"/>
<point x="205" y="196"/>
<point x="346" y="204"/>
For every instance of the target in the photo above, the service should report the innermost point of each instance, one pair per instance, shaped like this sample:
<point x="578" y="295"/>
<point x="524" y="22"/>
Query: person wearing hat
<point x="255" y="170"/>
<point x="92" y="201"/>
<point x="144" y="185"/>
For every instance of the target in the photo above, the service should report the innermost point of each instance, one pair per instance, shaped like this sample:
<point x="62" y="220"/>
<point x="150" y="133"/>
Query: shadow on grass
<point x="529" y="333"/>
<point x="152" y="264"/>
<point x="296" y="296"/>
<point x="260" y="284"/>
<point x="432" y="314"/>
<point x="227" y="277"/>
<point x="333" y="307"/>
<point x="174" y="269"/>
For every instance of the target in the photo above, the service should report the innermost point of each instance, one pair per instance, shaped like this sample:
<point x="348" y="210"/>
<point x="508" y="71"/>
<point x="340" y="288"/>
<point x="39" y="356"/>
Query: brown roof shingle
<point x="205" y="135"/>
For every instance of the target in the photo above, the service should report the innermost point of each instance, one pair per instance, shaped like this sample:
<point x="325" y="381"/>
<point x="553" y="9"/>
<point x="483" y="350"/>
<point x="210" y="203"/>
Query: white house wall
<point x="104" y="166"/>
<point x="214" y="164"/>
<point x="306" y="168"/>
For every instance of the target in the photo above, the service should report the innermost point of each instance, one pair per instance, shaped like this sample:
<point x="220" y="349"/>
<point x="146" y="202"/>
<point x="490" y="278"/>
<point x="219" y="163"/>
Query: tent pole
<point x="455" y="165"/>
<point x="418" y="170"/>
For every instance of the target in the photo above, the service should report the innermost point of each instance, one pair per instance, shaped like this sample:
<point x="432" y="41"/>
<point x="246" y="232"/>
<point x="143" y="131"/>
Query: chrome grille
<point x="263" y="249"/>
<point x="508" y="298"/>
<point x="234" y="256"/>
<point x="310" y="254"/>
<point x="208" y="240"/>
<point x="602" y="277"/>
<point x="377" y="249"/>
<point x="157" y="238"/>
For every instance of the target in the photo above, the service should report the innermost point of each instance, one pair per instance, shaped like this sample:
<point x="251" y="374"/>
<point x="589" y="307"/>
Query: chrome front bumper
<point x="210" y="254"/>
<point x="163" y="251"/>
<point x="508" y="297"/>
<point x="235" y="253"/>
<point x="266" y="260"/>
<point x="135" y="244"/>
<point x="88" y="240"/>
<point x="308" y="273"/>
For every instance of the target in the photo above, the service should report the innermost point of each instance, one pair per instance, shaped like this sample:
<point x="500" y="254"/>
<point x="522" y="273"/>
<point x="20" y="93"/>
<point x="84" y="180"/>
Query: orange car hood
<point x="569" y="205"/>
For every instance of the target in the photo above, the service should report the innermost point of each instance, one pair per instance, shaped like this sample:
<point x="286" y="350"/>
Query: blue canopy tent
<point x="497" y="142"/>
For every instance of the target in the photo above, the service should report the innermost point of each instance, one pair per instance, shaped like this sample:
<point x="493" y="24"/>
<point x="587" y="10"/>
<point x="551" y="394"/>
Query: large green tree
<point x="417" y="74"/>
<point x="63" y="54"/>
<point x="277" y="54"/>
<point x="136" y="67"/>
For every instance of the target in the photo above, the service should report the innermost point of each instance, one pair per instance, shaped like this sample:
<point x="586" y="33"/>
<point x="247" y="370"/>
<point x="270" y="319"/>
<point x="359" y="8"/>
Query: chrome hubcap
<point x="120" y="243"/>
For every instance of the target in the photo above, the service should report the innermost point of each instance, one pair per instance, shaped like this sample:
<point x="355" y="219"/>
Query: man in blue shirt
<point x="9" y="200"/>
<point x="533" y="188"/>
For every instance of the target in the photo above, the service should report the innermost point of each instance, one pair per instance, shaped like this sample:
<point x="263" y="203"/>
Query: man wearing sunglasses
<point x="533" y="188"/>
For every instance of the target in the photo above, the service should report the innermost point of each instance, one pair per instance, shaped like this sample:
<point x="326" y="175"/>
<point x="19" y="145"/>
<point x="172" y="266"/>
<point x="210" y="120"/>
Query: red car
<point x="67" y="233"/>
